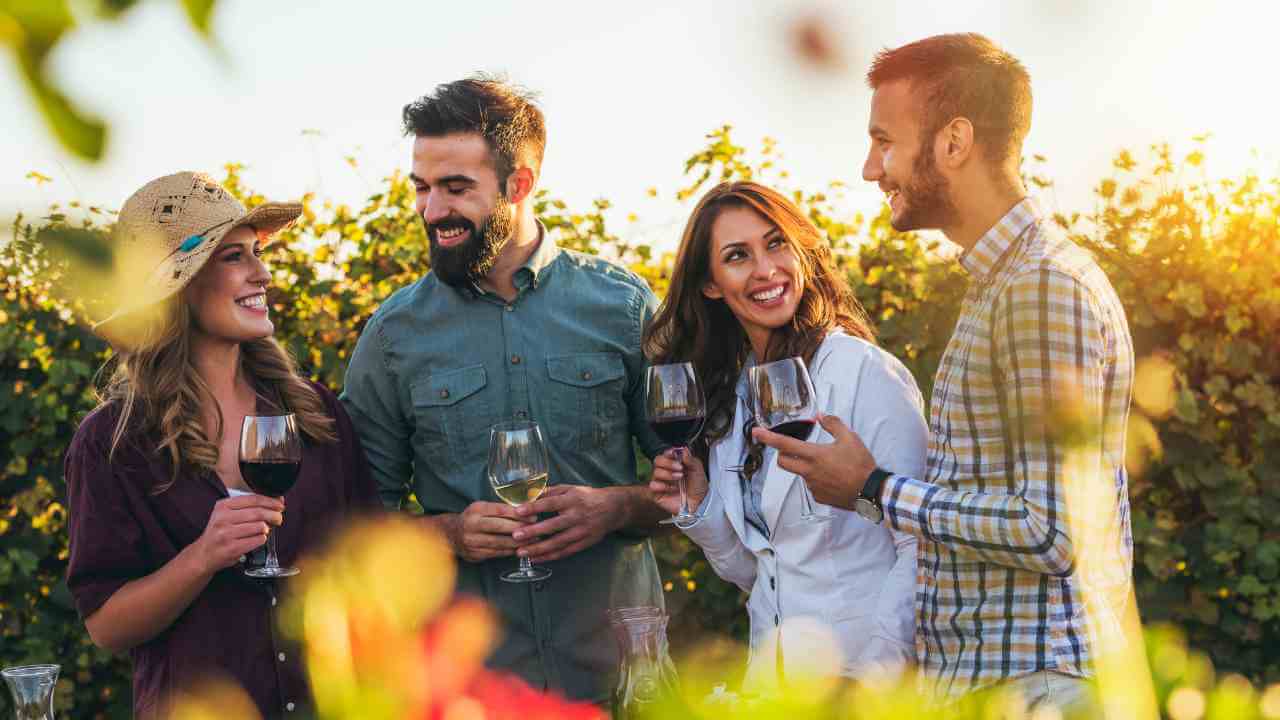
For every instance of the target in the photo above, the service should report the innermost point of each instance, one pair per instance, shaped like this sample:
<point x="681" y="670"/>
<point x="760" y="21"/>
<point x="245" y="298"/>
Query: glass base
<point x="533" y="574"/>
<point x="680" y="521"/>
<point x="271" y="572"/>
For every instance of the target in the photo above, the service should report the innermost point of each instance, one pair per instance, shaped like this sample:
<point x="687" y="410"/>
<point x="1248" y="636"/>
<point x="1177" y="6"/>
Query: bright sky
<point x="629" y="90"/>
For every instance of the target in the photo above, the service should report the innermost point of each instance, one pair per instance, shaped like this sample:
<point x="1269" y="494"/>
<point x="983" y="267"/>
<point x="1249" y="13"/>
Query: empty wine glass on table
<point x="676" y="411"/>
<point x="784" y="401"/>
<point x="518" y="471"/>
<point x="270" y="454"/>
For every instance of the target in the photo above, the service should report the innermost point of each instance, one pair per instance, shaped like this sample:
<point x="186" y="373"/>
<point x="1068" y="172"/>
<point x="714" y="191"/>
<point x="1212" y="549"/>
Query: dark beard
<point x="464" y="265"/>
<point x="926" y="197"/>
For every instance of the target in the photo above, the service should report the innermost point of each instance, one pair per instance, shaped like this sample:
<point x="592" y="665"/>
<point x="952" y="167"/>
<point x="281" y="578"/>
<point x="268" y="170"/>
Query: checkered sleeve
<point x="1048" y="347"/>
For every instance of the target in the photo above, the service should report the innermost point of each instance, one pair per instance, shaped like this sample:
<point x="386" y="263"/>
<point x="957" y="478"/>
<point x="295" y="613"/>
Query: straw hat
<point x="177" y="221"/>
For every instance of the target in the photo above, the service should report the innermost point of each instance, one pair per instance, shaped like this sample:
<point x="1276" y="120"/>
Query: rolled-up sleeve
<point x="372" y="398"/>
<point x="106" y="540"/>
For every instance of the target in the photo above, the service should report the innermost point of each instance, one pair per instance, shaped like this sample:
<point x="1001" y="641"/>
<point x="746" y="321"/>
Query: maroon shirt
<point x="120" y="531"/>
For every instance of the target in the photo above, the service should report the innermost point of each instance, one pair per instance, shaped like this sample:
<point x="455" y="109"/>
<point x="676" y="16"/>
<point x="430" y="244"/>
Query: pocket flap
<point x="586" y="370"/>
<point x="449" y="387"/>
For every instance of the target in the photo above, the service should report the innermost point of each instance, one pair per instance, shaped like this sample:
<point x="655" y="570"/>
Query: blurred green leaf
<point x="200" y="12"/>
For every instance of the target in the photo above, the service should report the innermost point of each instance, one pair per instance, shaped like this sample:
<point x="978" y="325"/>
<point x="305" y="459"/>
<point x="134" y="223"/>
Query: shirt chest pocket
<point x="453" y="416"/>
<point x="586" y="398"/>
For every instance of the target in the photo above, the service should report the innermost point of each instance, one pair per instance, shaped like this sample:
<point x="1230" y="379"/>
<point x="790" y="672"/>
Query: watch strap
<point x="875" y="482"/>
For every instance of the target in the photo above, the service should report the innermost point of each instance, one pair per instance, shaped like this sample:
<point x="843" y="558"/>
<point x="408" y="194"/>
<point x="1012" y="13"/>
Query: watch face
<point x="868" y="510"/>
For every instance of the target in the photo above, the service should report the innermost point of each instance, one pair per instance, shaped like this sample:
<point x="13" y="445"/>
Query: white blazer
<point x="838" y="595"/>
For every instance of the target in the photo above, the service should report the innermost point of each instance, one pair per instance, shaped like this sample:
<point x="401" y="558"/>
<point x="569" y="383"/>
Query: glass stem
<point x="272" y="560"/>
<point x="526" y="566"/>
<point x="806" y="500"/>
<point x="684" y="494"/>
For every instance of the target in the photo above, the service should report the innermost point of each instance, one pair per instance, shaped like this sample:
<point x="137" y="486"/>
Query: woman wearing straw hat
<point x="160" y="516"/>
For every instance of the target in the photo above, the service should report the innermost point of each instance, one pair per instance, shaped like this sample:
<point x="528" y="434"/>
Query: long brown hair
<point x="690" y="327"/>
<point x="161" y="396"/>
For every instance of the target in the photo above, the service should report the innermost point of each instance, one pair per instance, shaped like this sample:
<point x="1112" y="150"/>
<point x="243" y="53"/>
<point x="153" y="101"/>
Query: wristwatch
<point x="867" y="504"/>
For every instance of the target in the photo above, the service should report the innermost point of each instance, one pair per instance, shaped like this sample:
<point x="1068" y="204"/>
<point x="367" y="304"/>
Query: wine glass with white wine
<point x="518" y="472"/>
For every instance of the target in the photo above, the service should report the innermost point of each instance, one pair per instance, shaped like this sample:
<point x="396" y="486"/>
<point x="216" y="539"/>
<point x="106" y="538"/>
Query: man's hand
<point x="483" y="531"/>
<point x="584" y="515"/>
<point x="835" y="472"/>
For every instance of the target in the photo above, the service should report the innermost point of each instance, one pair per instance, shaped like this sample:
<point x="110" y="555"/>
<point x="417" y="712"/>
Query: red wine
<point x="268" y="477"/>
<point x="677" y="431"/>
<point x="798" y="429"/>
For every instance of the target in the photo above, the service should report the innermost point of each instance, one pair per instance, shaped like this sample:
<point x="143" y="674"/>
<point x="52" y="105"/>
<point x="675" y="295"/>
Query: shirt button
<point x="273" y="601"/>
<point x="775" y="620"/>
<point x="288" y="706"/>
<point x="444" y="393"/>
<point x="586" y="375"/>
<point x="773" y="583"/>
<point x="515" y="359"/>
<point x="280" y="657"/>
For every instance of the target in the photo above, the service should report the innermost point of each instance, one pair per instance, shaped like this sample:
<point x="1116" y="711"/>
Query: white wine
<point x="522" y="491"/>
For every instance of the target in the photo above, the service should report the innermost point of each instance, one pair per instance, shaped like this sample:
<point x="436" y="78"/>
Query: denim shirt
<point x="436" y="366"/>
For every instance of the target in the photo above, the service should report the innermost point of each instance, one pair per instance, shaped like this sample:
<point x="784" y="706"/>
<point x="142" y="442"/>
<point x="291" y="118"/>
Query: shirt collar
<point x="535" y="269"/>
<point x="984" y="257"/>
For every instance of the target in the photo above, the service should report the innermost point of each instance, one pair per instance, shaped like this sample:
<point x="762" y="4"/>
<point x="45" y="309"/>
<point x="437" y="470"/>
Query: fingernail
<point x="518" y="535"/>
<point x="522" y="553"/>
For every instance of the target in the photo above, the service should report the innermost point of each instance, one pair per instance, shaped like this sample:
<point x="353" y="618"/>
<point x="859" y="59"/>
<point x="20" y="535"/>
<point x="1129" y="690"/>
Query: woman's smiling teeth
<point x="253" y="301"/>
<point x="773" y="293"/>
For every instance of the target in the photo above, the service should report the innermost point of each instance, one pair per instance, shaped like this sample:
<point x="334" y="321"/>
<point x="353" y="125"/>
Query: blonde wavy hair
<point x="161" y="395"/>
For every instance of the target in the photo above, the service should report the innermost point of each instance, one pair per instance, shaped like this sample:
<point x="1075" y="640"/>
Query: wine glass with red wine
<point x="783" y="400"/>
<point x="270" y="453"/>
<point x="676" y="412"/>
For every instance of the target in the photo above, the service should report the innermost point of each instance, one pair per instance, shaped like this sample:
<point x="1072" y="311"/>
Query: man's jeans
<point x="1073" y="696"/>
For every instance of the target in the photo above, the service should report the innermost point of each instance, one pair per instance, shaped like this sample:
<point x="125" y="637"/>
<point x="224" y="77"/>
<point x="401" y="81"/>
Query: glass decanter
<point x="647" y="685"/>
<point x="32" y="689"/>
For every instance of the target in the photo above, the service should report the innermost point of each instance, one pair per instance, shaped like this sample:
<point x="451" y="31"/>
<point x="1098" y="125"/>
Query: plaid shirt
<point x="1013" y="576"/>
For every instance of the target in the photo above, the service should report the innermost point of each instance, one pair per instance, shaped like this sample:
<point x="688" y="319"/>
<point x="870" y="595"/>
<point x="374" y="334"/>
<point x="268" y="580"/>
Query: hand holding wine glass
<point x="270" y="454"/>
<point x="784" y="401"/>
<point x="676" y="410"/>
<point x="518" y="470"/>
<point x="670" y="469"/>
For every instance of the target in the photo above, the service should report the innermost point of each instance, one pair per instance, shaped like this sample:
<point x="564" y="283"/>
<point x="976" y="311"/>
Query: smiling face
<point x="754" y="270"/>
<point x="228" y="297"/>
<point x="902" y="162"/>
<point x="458" y="197"/>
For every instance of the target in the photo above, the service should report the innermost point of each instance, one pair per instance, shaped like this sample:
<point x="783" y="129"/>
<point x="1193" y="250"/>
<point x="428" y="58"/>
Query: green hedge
<point x="1196" y="265"/>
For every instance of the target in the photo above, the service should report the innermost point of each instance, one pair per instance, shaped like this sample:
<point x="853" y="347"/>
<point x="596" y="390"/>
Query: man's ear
<point x="955" y="143"/>
<point x="711" y="290"/>
<point x="519" y="185"/>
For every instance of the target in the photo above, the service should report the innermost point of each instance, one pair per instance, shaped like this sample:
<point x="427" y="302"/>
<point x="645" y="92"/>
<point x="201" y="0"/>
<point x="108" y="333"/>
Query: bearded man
<point x="507" y="326"/>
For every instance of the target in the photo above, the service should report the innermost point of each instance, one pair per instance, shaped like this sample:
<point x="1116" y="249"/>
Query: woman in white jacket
<point x="755" y="280"/>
